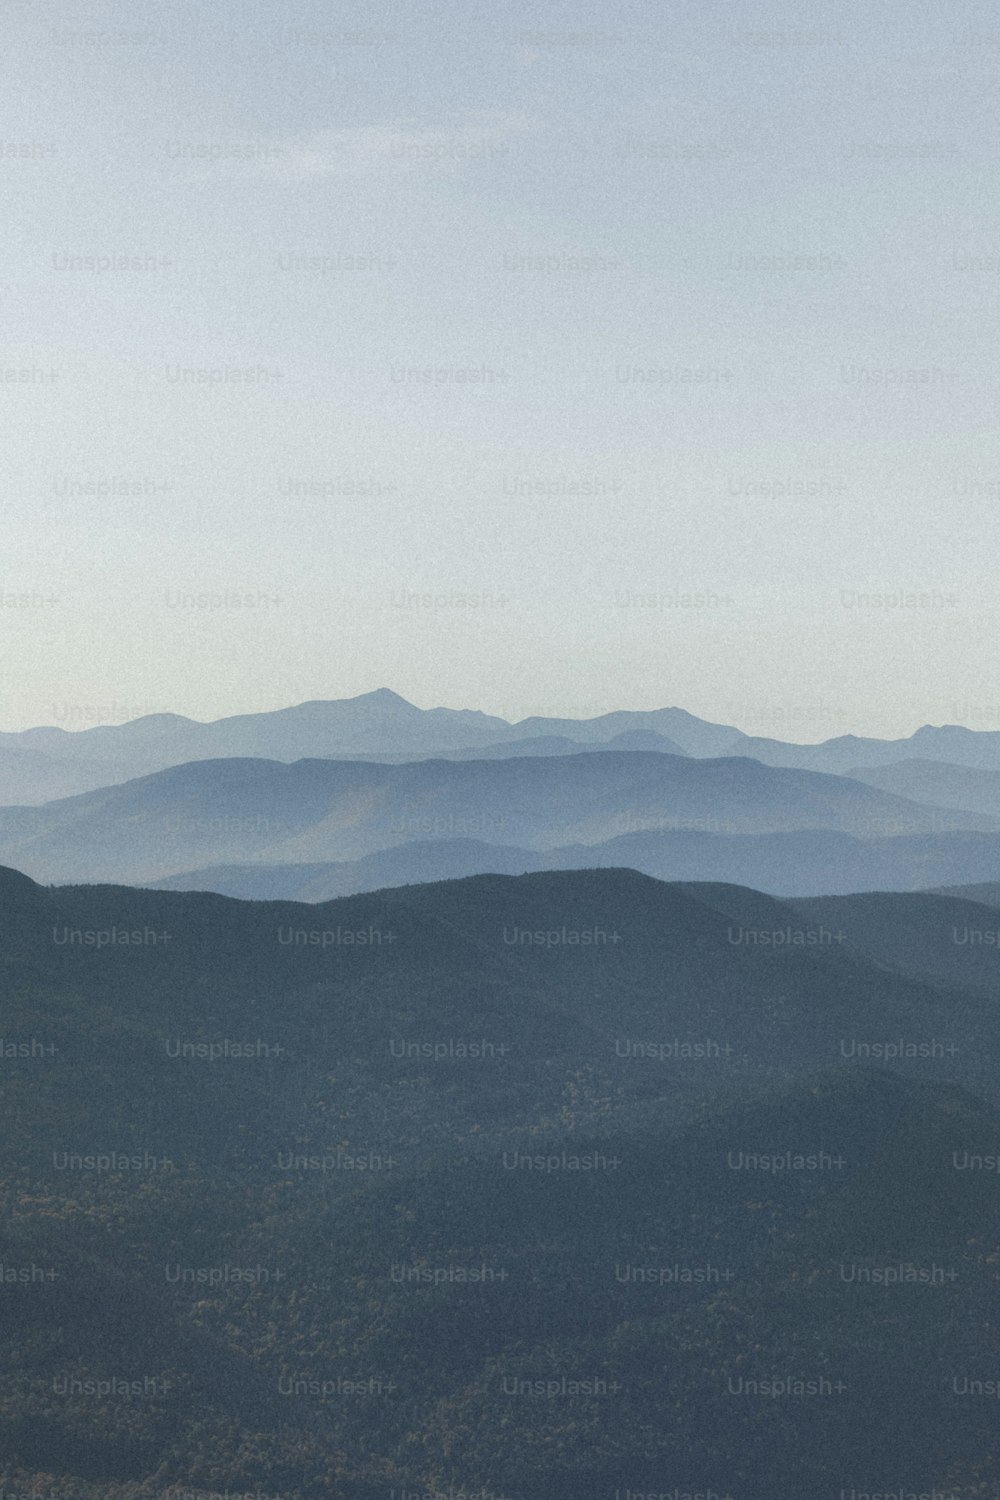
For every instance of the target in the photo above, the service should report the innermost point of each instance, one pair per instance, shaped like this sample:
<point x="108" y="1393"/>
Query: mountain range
<point x="43" y="764"/>
<point x="811" y="862"/>
<point x="207" y="813"/>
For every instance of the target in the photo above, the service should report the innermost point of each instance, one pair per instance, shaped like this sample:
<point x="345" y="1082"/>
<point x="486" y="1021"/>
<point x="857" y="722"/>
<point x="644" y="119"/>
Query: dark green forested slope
<point x="557" y="1248"/>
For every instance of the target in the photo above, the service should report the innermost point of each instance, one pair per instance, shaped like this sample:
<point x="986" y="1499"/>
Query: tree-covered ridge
<point x="281" y="1215"/>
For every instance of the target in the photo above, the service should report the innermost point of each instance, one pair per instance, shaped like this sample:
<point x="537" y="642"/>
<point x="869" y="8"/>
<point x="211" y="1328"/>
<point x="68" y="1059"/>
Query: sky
<point x="529" y="358"/>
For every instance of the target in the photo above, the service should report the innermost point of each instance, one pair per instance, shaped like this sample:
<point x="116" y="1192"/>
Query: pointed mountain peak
<point x="383" y="695"/>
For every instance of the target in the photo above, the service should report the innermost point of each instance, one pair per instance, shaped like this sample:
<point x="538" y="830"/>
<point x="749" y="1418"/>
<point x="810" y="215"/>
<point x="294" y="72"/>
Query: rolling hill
<point x="812" y="862"/>
<point x="281" y="1213"/>
<point x="237" y="811"/>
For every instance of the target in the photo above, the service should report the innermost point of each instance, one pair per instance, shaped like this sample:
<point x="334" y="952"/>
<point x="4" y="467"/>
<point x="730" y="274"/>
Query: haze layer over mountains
<point x="39" y="765"/>
<point x="329" y="798"/>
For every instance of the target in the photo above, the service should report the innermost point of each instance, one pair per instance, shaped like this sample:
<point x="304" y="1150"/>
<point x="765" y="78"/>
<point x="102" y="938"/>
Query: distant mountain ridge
<point x="809" y="862"/>
<point x="235" y="811"/>
<point x="43" y="764"/>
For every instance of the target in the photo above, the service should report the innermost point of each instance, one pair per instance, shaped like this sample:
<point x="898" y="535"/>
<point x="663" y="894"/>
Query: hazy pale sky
<point x="532" y="358"/>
